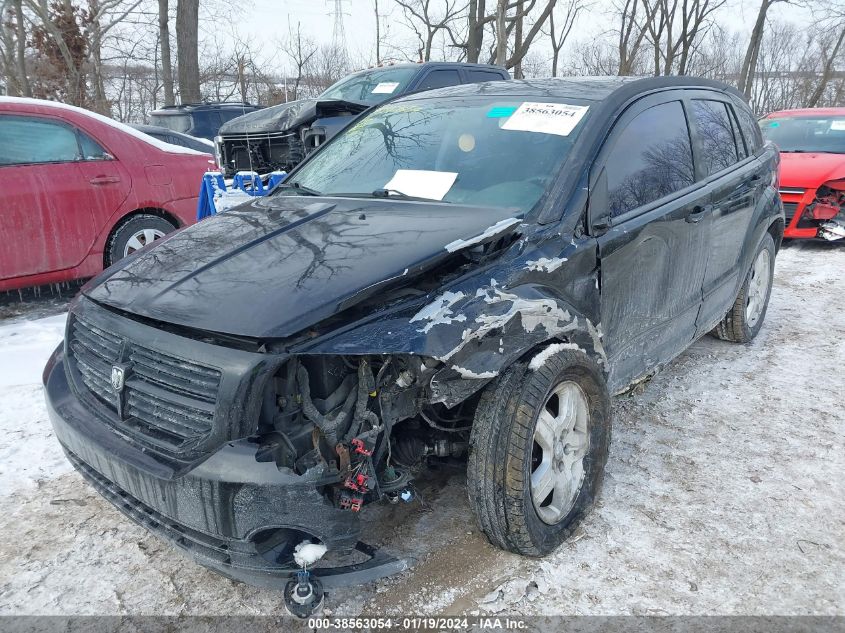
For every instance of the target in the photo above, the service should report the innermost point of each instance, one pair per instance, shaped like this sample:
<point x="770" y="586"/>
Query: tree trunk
<point x="475" y="30"/>
<point x="187" y="49"/>
<point x="749" y="64"/>
<point x="501" y="33"/>
<point x="20" y="53"/>
<point x="164" y="41"/>
<point x="517" y="67"/>
<point x="378" y="36"/>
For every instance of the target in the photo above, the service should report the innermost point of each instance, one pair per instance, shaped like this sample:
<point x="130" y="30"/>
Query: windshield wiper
<point x="387" y="193"/>
<point x="300" y="189"/>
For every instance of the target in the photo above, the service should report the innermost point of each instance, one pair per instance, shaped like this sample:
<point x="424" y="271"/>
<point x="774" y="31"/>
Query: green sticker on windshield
<point x="499" y="112"/>
<point x="774" y="124"/>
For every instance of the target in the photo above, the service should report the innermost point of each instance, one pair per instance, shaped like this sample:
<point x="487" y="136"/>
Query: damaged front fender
<point x="480" y="325"/>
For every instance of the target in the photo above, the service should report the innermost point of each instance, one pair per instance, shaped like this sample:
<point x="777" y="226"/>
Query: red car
<point x="79" y="191"/>
<point x="812" y="169"/>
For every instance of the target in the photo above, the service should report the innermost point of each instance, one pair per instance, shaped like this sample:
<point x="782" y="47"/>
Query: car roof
<point x="220" y="105"/>
<point x="422" y="65"/>
<point x="598" y="89"/>
<point x="799" y="112"/>
<point x="154" y="129"/>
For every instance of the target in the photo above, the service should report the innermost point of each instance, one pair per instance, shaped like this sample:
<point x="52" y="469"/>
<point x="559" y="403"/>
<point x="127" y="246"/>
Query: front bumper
<point x="798" y="224"/>
<point x="231" y="513"/>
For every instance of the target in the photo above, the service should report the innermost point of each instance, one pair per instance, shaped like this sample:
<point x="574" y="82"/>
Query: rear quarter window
<point x="750" y="130"/>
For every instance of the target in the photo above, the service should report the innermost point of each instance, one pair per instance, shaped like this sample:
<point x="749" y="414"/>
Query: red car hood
<point x="808" y="171"/>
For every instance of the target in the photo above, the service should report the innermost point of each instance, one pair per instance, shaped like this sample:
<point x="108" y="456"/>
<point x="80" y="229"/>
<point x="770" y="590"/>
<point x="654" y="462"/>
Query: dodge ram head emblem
<point x="118" y="378"/>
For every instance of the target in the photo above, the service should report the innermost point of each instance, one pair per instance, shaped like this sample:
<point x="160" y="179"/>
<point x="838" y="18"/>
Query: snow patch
<point x="308" y="553"/>
<point x="546" y="264"/>
<point x="488" y="232"/>
<point x="540" y="359"/>
<point x="439" y="311"/>
<point x="131" y="131"/>
<point x="468" y="373"/>
<point x="25" y="348"/>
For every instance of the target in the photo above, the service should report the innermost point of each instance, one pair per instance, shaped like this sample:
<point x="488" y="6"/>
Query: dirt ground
<point x="724" y="495"/>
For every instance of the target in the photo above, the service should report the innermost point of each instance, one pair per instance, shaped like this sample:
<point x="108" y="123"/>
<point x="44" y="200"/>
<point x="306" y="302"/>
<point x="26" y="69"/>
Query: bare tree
<point x="187" y="48"/>
<point x="752" y="52"/>
<point x="300" y="50"/>
<point x="630" y="34"/>
<point x="507" y="23"/>
<point x="164" y="43"/>
<point x="427" y="21"/>
<point x="20" y="50"/>
<point x="558" y="34"/>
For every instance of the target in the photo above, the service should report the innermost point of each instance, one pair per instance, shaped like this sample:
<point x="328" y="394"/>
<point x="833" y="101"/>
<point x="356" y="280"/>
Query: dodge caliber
<point x="464" y="274"/>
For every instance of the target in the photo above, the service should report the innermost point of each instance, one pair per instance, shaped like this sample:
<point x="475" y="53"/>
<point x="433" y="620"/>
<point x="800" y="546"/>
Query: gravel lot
<point x="724" y="495"/>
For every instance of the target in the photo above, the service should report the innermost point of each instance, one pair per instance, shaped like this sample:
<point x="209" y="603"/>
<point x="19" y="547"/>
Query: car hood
<point x="285" y="116"/>
<point x="808" y="171"/>
<point x="278" y="265"/>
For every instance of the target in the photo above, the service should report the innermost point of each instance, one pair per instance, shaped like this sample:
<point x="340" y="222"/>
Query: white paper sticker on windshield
<point x="421" y="183"/>
<point x="548" y="118"/>
<point x="385" y="88"/>
<point x="838" y="125"/>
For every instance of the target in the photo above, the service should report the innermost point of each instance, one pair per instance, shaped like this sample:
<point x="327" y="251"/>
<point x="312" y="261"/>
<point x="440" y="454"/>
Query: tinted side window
<point x="718" y="150"/>
<point x="28" y="140"/>
<point x="483" y="75"/>
<point x="652" y="158"/>
<point x="440" y="79"/>
<point x="91" y="149"/>
<point x="750" y="129"/>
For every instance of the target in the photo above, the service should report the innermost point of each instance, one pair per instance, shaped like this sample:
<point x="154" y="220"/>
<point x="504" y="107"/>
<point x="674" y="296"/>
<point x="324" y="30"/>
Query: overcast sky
<point x="267" y="20"/>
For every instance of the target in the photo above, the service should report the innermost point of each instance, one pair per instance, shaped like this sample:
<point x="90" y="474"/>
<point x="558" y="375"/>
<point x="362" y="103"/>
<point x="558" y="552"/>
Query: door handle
<point x="697" y="214"/>
<point x="104" y="180"/>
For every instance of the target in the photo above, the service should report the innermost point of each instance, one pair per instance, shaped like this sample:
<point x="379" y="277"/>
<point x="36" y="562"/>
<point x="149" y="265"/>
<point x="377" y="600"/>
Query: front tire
<point x="745" y="318"/>
<point x="538" y="448"/>
<point x="133" y="234"/>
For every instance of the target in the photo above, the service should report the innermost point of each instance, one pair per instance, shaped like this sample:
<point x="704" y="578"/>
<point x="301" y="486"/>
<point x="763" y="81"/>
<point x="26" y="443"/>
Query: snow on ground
<point x="28" y="450"/>
<point x="723" y="495"/>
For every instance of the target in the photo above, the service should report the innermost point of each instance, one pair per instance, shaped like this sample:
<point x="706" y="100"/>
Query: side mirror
<point x="598" y="213"/>
<point x="601" y="226"/>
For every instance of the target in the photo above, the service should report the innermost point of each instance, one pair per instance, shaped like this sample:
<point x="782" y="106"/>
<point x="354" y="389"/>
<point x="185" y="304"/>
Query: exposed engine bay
<point x="279" y="138"/>
<point x="360" y="426"/>
<point x="828" y="211"/>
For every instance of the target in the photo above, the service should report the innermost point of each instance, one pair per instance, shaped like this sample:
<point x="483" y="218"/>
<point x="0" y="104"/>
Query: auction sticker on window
<point x="837" y="124"/>
<point x="385" y="88"/>
<point x="548" y="118"/>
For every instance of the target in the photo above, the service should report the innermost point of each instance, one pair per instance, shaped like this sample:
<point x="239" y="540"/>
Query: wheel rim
<point x="758" y="287"/>
<point x="561" y="441"/>
<point x="140" y="239"/>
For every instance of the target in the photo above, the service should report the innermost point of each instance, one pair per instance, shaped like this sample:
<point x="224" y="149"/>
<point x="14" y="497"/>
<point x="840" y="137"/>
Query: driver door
<point x="652" y="228"/>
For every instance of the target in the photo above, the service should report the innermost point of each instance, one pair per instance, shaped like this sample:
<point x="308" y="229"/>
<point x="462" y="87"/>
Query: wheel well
<point x="165" y="215"/>
<point x="776" y="229"/>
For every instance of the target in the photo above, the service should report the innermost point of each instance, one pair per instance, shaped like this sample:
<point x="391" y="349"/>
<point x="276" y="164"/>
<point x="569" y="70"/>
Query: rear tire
<point x="507" y="454"/>
<point x="745" y="318"/>
<point x="135" y="232"/>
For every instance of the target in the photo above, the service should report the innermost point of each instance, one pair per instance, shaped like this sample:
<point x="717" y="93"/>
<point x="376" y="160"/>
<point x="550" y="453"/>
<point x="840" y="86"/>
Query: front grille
<point x="197" y="542"/>
<point x="789" y="209"/>
<point x="167" y="402"/>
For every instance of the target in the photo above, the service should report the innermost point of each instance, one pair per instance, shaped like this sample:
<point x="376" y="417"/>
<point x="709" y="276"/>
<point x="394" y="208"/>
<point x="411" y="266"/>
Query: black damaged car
<point x="465" y="273"/>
